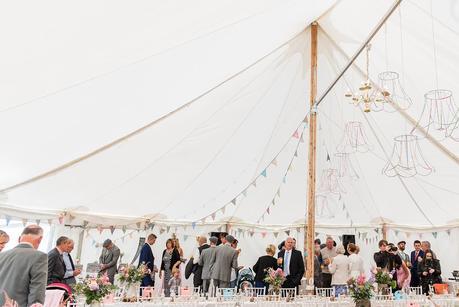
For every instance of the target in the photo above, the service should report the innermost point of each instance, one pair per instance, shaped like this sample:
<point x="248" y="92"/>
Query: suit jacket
<point x="296" y="266"/>
<point x="224" y="260"/>
<point x="205" y="260"/>
<point x="197" y="273"/>
<point x="263" y="264"/>
<point x="23" y="273"/>
<point x="414" y="260"/>
<point x="174" y="258"/>
<point x="110" y="258"/>
<point x="56" y="267"/>
<point x="146" y="256"/>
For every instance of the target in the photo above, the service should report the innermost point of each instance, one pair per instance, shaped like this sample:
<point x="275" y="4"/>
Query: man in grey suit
<point x="23" y="269"/>
<point x="205" y="260"/>
<point x="224" y="259"/>
<point x="109" y="259"/>
<point x="56" y="265"/>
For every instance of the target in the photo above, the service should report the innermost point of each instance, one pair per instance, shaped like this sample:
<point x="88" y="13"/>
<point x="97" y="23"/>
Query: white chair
<point x="381" y="297"/>
<point x="325" y="292"/>
<point x="415" y="291"/>
<point x="226" y="293"/>
<point x="145" y="294"/>
<point x="189" y="291"/>
<point x="251" y="292"/>
<point x="288" y="292"/>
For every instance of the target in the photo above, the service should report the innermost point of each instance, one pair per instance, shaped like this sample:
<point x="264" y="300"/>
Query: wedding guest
<point x="4" y="239"/>
<point x="291" y="262"/>
<point x="381" y="258"/>
<point x="222" y="237"/>
<point x="197" y="274"/>
<point x="175" y="282"/>
<point x="356" y="261"/>
<point x="205" y="260"/>
<point x="176" y="243"/>
<point x="25" y="289"/>
<point x="147" y="258"/>
<point x="425" y="246"/>
<point x="398" y="266"/>
<point x="108" y="259"/>
<point x="56" y="265"/>
<point x="417" y="254"/>
<point x="169" y="258"/>
<point x="70" y="271"/>
<point x="328" y="252"/>
<point x="234" y="272"/>
<point x="263" y="264"/>
<point x="225" y="259"/>
<point x="317" y="264"/>
<point x="401" y="252"/>
<point x="340" y="270"/>
<point x="429" y="271"/>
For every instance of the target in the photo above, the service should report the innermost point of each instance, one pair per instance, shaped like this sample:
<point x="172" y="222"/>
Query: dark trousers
<point x="262" y="284"/>
<point x="415" y="281"/>
<point x="326" y="280"/>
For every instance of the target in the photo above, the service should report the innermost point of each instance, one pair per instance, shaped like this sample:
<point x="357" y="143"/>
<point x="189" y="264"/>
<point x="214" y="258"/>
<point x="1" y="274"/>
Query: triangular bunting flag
<point x="284" y="180"/>
<point x="168" y="228"/>
<point x="396" y="232"/>
<point x="298" y="229"/>
<point x="296" y="153"/>
<point x="276" y="234"/>
<point x="85" y="224"/>
<point x="302" y="138"/>
<point x="124" y="228"/>
<point x="71" y="218"/>
<point x="273" y="202"/>
<point x="263" y="234"/>
<point x="244" y="193"/>
<point x="251" y="233"/>
<point x="274" y="162"/>
<point x="213" y="216"/>
<point x="152" y="226"/>
<point x="193" y="225"/>
<point x="267" y="210"/>
<point x="295" y="134"/>
<point x="448" y="231"/>
<point x="287" y="232"/>
<point x="434" y="234"/>
<point x="340" y="238"/>
<point x="61" y="219"/>
<point x="234" y="202"/>
<point x="328" y="157"/>
<point x="161" y="231"/>
<point x="290" y="168"/>
<point x="38" y="222"/>
<point x="137" y="224"/>
<point x="223" y="209"/>
<point x="254" y="183"/>
<point x="278" y="192"/>
<point x="50" y="222"/>
<point x="8" y="219"/>
<point x="316" y="234"/>
<point x="263" y="173"/>
<point x="305" y="120"/>
<point x="24" y="222"/>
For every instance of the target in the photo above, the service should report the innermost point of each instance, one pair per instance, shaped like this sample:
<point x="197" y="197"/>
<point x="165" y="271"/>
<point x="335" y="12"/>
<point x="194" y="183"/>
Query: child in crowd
<point x="175" y="282"/>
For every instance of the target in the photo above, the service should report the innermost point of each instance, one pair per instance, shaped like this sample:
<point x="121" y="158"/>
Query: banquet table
<point x="418" y="302"/>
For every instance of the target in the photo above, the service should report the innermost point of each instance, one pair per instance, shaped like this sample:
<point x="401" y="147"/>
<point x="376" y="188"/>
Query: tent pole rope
<point x="359" y="51"/>
<point x="402" y="112"/>
<point x="309" y="228"/>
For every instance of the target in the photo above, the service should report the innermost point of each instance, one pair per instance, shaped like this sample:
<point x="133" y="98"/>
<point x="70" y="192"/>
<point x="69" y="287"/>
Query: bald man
<point x="197" y="278"/>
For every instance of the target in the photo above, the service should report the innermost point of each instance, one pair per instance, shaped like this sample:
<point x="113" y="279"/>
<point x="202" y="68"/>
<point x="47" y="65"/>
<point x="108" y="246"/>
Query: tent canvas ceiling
<point x="182" y="111"/>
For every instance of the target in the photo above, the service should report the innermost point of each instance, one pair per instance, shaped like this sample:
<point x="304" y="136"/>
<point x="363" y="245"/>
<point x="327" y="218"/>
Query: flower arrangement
<point x="132" y="275"/>
<point x="275" y="278"/>
<point x="384" y="278"/>
<point x="94" y="289"/>
<point x="360" y="288"/>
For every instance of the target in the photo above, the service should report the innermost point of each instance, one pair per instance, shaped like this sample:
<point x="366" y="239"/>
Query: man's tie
<point x="287" y="263"/>
<point x="71" y="262"/>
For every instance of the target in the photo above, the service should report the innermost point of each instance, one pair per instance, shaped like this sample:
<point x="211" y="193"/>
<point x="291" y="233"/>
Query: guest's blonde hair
<point x="271" y="249"/>
<point x="340" y="249"/>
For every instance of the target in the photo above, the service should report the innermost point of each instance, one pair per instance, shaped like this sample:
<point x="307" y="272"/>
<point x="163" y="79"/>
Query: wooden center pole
<point x="311" y="199"/>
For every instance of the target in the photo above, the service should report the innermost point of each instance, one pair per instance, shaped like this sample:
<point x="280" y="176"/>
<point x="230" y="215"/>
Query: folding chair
<point x="288" y="292"/>
<point x="251" y="292"/>
<point x="325" y="292"/>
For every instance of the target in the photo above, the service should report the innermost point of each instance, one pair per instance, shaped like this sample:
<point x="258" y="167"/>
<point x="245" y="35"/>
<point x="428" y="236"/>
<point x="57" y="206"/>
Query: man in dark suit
<point x="147" y="258"/>
<point x="23" y="270"/>
<point x="291" y="262"/>
<point x="56" y="265"/>
<point x="415" y="255"/>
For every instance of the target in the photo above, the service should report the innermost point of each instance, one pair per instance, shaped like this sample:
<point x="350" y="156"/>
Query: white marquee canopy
<point x="190" y="112"/>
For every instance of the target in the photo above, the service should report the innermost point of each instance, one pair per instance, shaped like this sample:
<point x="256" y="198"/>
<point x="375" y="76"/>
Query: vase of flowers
<point x="384" y="282"/>
<point x="130" y="277"/>
<point x="94" y="289"/>
<point x="275" y="279"/>
<point x="360" y="290"/>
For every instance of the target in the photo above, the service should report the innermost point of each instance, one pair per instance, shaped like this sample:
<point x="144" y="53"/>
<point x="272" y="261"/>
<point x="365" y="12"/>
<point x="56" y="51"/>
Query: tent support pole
<point x="309" y="228"/>
<point x="359" y="51"/>
<point x="80" y="244"/>
<point x="384" y="231"/>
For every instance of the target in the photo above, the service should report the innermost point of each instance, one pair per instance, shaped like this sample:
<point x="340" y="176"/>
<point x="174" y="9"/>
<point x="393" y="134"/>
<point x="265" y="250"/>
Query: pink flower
<point x="93" y="285"/>
<point x="361" y="279"/>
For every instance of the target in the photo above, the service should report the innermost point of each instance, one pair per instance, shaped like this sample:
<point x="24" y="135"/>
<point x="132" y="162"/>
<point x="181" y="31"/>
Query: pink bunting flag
<point x="61" y="219"/>
<point x="274" y="162"/>
<point x="296" y="135"/>
<point x="263" y="234"/>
